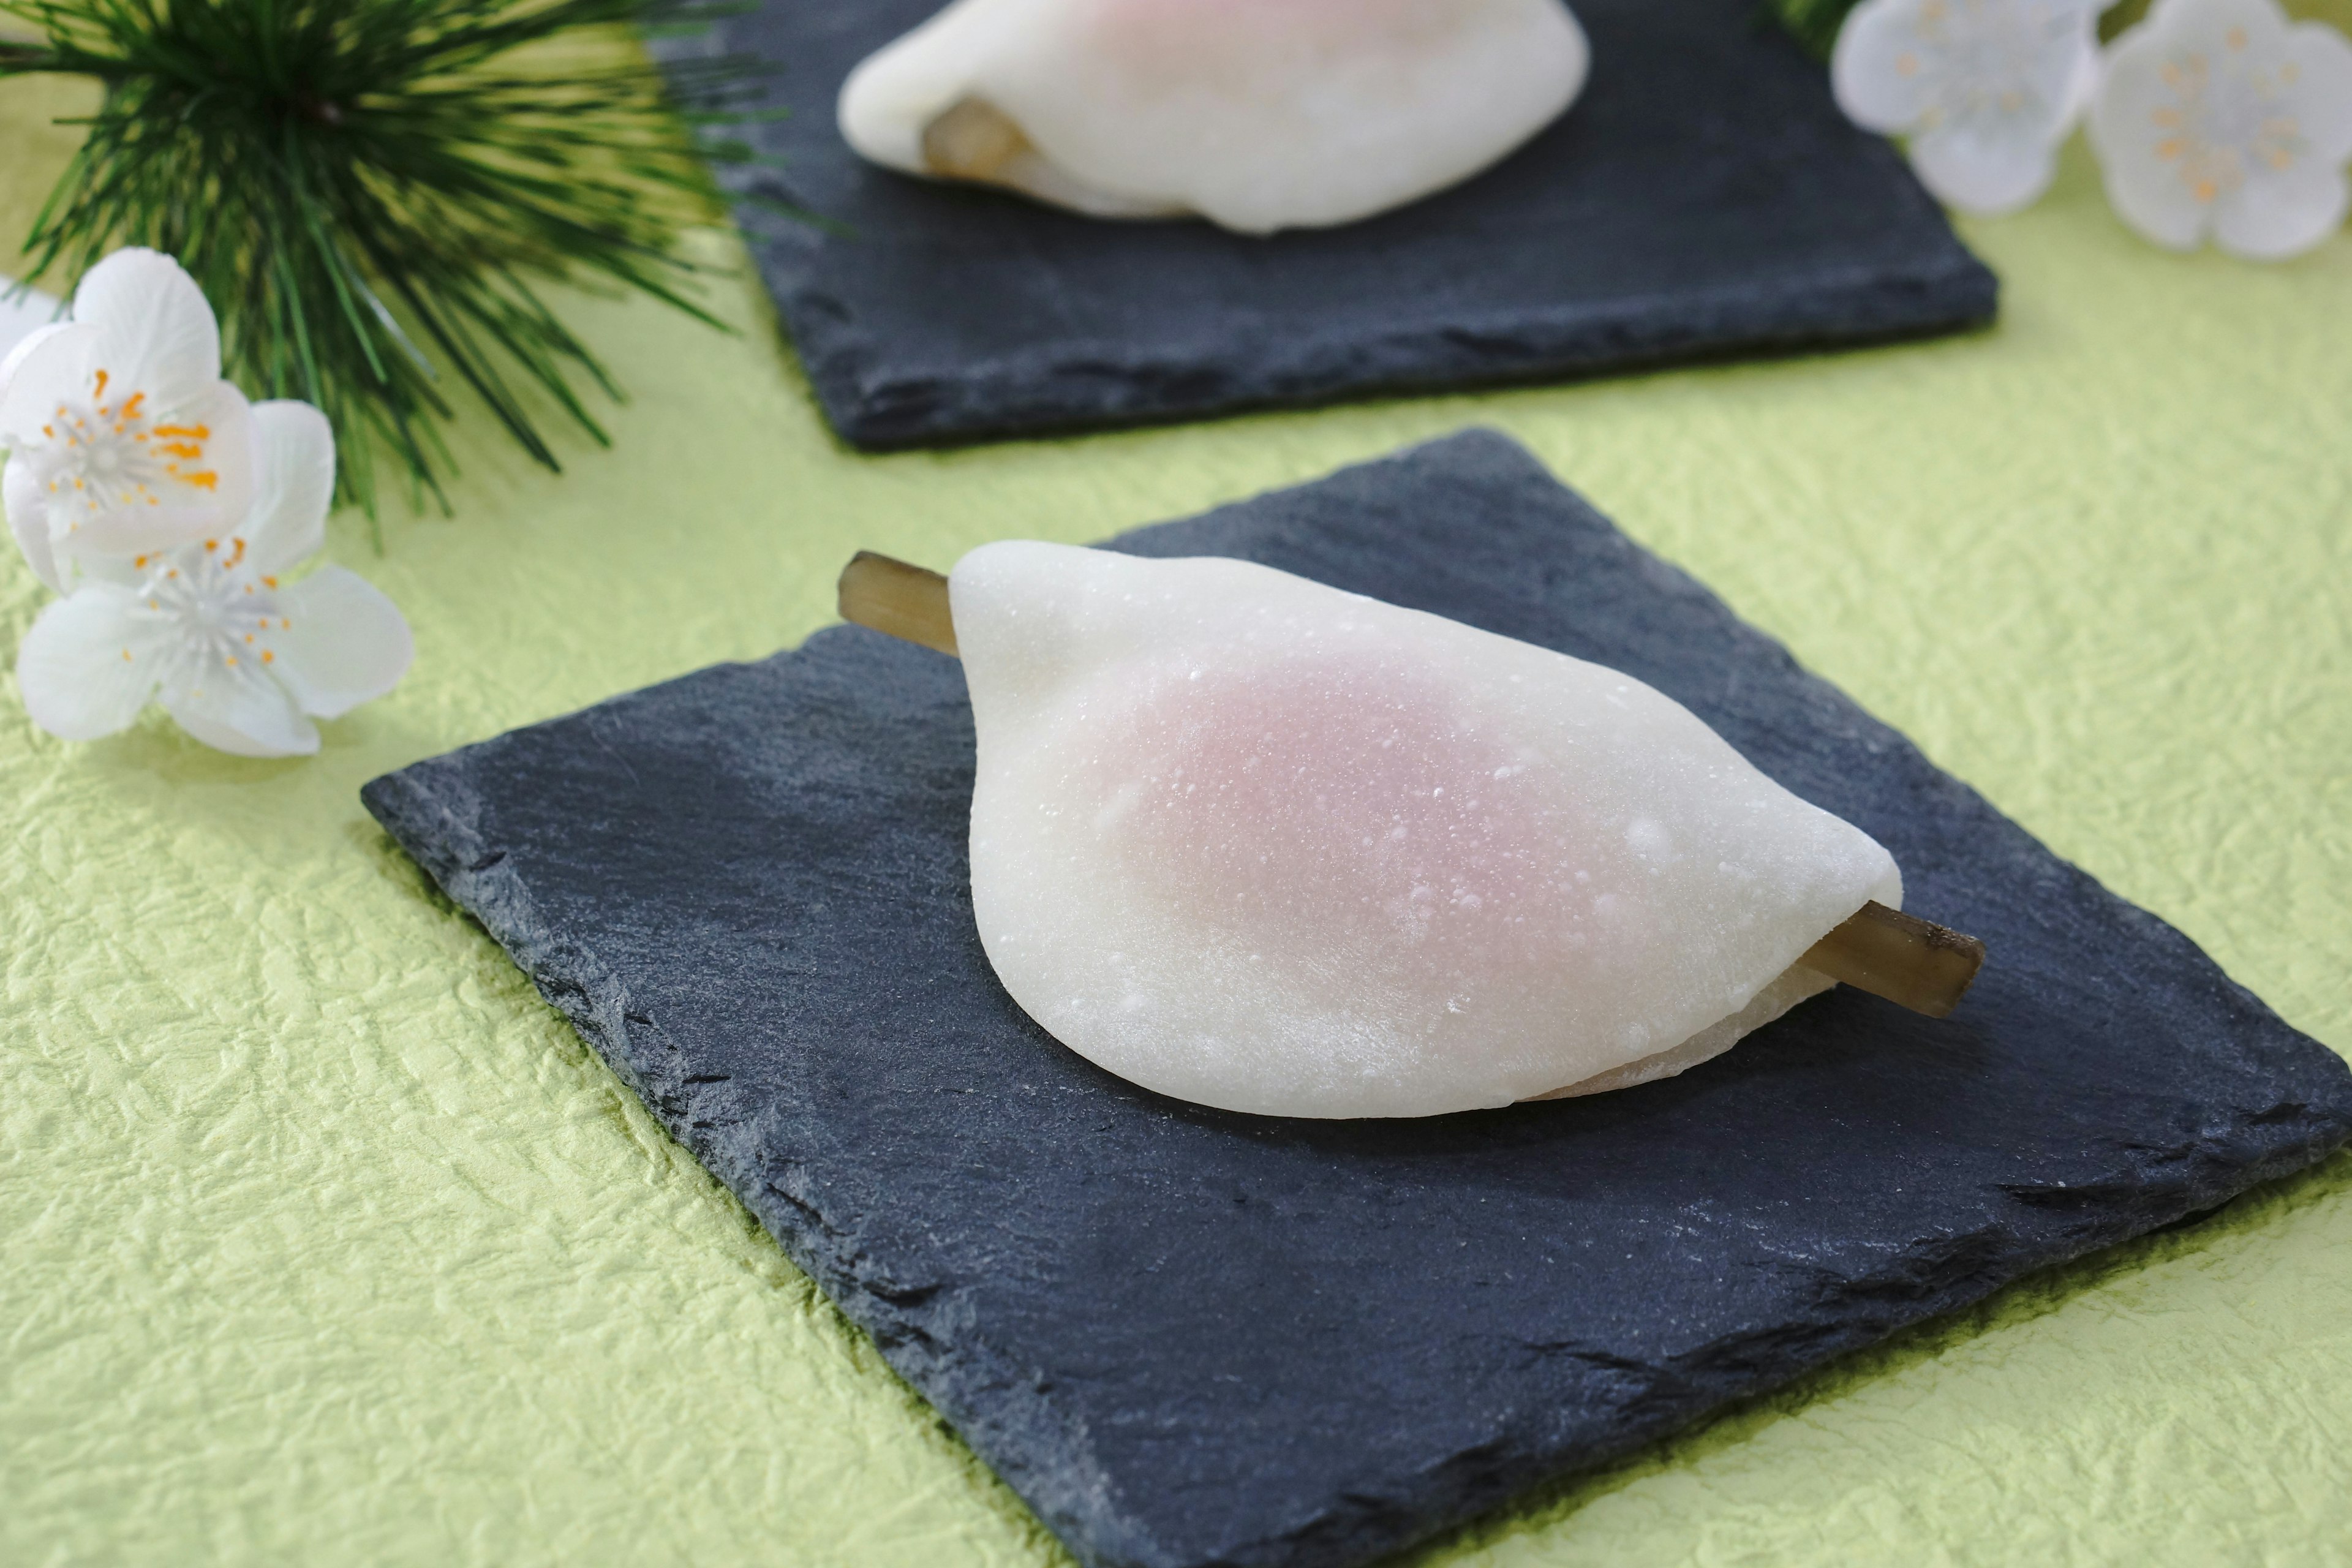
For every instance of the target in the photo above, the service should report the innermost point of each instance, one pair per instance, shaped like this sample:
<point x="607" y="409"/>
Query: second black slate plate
<point x="1190" y="1338"/>
<point x="1705" y="196"/>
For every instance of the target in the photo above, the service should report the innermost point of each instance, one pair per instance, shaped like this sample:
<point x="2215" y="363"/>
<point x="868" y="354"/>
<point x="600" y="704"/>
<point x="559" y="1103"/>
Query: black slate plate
<point x="1703" y="198"/>
<point x="1190" y="1338"/>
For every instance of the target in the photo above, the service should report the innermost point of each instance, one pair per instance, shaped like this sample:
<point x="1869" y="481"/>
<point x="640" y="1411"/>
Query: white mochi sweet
<point x="1255" y="115"/>
<point x="1259" y="844"/>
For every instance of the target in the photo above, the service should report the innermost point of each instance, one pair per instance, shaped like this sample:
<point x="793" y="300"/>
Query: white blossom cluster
<point x="2213" y="119"/>
<point x="171" y="515"/>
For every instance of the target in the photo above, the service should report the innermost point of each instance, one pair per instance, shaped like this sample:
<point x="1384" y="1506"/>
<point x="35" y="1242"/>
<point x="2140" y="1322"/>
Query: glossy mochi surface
<point x="1259" y="844"/>
<point x="1255" y="115"/>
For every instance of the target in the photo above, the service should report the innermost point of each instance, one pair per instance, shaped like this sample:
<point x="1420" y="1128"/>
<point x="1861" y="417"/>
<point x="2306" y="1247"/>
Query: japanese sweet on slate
<point x="1260" y="844"/>
<point x="1255" y="115"/>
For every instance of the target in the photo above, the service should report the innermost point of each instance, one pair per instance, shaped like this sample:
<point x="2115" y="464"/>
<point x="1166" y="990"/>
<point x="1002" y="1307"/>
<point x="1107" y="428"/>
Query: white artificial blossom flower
<point x="2217" y="117"/>
<point x="121" y="435"/>
<point x="243" y="658"/>
<point x="1985" y="90"/>
<point x="23" y="312"/>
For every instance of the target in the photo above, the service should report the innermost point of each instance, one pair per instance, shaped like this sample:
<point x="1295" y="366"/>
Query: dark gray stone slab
<point x="1703" y="197"/>
<point x="1192" y="1338"/>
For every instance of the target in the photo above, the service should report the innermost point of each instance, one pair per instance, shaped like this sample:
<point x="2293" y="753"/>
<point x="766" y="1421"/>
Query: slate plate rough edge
<point x="434" y="811"/>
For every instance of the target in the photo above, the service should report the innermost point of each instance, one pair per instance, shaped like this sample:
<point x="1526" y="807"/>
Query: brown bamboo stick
<point x="973" y="140"/>
<point x="1911" y="962"/>
<point x="897" y="597"/>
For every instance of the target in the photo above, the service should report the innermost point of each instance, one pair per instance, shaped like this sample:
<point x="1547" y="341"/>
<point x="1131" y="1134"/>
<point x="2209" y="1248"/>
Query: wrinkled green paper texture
<point x="322" y="1240"/>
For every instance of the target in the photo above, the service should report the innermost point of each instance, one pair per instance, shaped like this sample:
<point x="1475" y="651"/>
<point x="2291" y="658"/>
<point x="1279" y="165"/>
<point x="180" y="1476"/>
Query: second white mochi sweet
<point x="1255" y="115"/>
<point x="1256" y="843"/>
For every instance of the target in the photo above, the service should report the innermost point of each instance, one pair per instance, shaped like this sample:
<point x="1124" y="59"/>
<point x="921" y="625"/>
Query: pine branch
<point x="1812" y="23"/>
<point x="372" y="193"/>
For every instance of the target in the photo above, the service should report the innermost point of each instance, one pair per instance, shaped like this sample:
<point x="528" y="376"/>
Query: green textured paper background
<point x="322" y="1240"/>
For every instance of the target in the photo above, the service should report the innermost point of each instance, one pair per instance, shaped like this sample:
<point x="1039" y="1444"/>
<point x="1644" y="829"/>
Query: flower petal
<point x="24" y="311"/>
<point x="240" y="711"/>
<point x="2276" y="216"/>
<point x="294" y="484"/>
<point x="1983" y="173"/>
<point x="205" y="496"/>
<point x="2321" y="92"/>
<point x="27" y="502"/>
<point x="2206" y="25"/>
<point x="2126" y="131"/>
<point x="348" y="645"/>
<point x="89" y="663"/>
<point x="2156" y="204"/>
<point x="160" y="335"/>
<point x="1868" y="68"/>
<point x="52" y="363"/>
<point x="2082" y="87"/>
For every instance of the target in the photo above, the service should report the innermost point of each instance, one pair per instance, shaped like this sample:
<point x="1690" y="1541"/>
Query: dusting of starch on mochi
<point x="1259" y="844"/>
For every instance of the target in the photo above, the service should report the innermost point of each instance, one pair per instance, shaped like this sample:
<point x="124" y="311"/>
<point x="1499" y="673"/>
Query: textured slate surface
<point x="1191" y="1338"/>
<point x="1703" y="198"/>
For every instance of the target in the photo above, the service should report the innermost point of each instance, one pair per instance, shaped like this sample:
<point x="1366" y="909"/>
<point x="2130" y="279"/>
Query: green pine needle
<point x="373" y="193"/>
<point x="1812" y="23"/>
